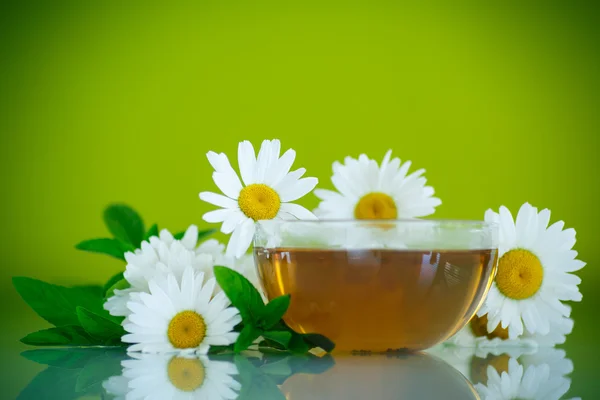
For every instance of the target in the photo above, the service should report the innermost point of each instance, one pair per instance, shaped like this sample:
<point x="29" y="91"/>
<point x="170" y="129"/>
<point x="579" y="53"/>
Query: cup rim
<point x="466" y="223"/>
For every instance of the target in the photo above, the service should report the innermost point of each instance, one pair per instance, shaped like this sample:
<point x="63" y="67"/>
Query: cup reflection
<point x="396" y="376"/>
<point x="444" y="372"/>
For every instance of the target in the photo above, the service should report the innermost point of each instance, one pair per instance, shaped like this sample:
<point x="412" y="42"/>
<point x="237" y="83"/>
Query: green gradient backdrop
<point x="111" y="102"/>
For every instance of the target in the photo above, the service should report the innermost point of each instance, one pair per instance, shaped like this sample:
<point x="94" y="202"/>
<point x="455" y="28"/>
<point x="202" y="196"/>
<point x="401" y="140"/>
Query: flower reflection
<point x="447" y="372"/>
<point x="541" y="375"/>
<point x="512" y="373"/>
<point x="150" y="376"/>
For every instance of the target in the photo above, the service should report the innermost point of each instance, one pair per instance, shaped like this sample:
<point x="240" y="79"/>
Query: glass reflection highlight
<point x="444" y="372"/>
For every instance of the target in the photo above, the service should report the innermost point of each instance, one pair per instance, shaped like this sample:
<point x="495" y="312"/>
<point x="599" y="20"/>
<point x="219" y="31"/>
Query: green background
<point x="103" y="102"/>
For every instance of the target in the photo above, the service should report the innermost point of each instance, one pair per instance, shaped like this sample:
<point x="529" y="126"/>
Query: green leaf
<point x="318" y="340"/>
<point x="70" y="335"/>
<point x="274" y="311"/>
<point x="119" y="285"/>
<point x="57" y="304"/>
<point x="201" y="234"/>
<point x="153" y="231"/>
<point x="247" y="336"/>
<point x="297" y="344"/>
<point x="242" y="294"/>
<point x="101" y="327"/>
<point x="281" y="337"/>
<point x="70" y="358"/>
<point x="112" y="247"/>
<point x="89" y="290"/>
<point x="269" y="346"/>
<point x="125" y="224"/>
<point x="111" y="282"/>
<point x="221" y="349"/>
<point x="206" y="233"/>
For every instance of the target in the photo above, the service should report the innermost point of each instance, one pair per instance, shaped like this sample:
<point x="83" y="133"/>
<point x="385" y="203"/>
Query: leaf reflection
<point x="449" y="373"/>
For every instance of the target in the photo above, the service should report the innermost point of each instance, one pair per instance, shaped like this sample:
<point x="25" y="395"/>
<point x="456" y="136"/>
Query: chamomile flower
<point x="164" y="254"/>
<point x="267" y="190"/>
<point x="180" y="316"/>
<point x="163" y="376"/>
<point x="366" y="190"/>
<point x="534" y="273"/>
<point x="158" y="256"/>
<point x="541" y="380"/>
<point x="244" y="265"/>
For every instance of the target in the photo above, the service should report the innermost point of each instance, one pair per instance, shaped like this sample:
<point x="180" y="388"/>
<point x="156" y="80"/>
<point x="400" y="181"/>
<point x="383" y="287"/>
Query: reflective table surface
<point x="441" y="373"/>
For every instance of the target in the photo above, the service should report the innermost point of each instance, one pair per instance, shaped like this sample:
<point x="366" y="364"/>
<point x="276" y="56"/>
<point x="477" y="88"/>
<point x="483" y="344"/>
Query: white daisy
<point x="543" y="379"/>
<point x="244" y="264"/>
<point x="180" y="317"/>
<point x="368" y="191"/>
<point x="164" y="254"/>
<point x="268" y="187"/>
<point x="160" y="376"/>
<point x="534" y="273"/>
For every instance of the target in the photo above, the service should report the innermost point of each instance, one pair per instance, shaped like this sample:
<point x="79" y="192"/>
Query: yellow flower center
<point x="186" y="330"/>
<point x="376" y="206"/>
<point x="186" y="374"/>
<point x="479" y="328"/>
<point x="259" y="201"/>
<point x="520" y="274"/>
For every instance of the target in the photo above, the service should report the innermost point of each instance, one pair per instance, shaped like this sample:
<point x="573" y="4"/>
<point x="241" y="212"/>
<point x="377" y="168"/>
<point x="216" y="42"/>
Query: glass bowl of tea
<point x="378" y="286"/>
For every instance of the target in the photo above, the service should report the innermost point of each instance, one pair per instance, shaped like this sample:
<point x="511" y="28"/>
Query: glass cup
<point x="378" y="285"/>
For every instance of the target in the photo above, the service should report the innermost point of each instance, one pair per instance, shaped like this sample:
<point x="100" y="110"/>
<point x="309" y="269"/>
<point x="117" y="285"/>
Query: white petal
<point x="218" y="200"/>
<point x="507" y="227"/>
<point x="224" y="175"/>
<point x="165" y="236"/>
<point x="297" y="211"/>
<point x="267" y="156"/>
<point x="247" y="234"/>
<point x="526" y="225"/>
<point x="289" y="180"/>
<point x="491" y="216"/>
<point x="190" y="237"/>
<point x="241" y="238"/>
<point x="232" y="221"/>
<point x="299" y="189"/>
<point x="228" y="185"/>
<point x="217" y="215"/>
<point x="247" y="162"/>
<point x="281" y="168"/>
<point x="543" y="220"/>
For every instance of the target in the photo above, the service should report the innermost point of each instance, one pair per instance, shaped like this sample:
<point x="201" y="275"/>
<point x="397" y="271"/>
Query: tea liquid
<point x="377" y="300"/>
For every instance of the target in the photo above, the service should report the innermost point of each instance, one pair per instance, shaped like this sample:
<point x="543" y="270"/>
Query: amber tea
<point x="378" y="300"/>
